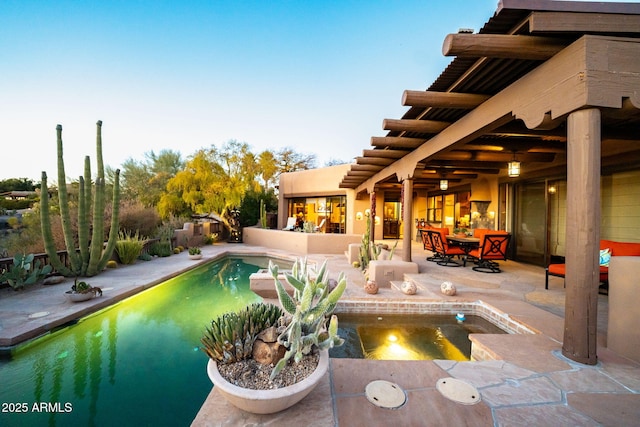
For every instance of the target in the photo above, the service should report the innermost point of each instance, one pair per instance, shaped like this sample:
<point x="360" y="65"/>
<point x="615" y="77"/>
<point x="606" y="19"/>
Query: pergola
<point x="555" y="84"/>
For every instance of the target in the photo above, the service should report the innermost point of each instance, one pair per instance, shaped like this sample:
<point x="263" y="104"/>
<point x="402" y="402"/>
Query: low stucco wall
<point x="299" y="243"/>
<point x="623" y="336"/>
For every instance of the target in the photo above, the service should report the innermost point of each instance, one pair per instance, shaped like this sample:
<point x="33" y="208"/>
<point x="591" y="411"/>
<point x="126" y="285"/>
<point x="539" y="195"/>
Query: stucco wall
<point x="299" y="243"/>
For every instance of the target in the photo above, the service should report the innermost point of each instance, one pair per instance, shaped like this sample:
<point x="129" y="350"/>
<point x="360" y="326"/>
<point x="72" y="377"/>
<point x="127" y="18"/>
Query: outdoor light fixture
<point x="444" y="184"/>
<point x="359" y="216"/>
<point x="514" y="167"/>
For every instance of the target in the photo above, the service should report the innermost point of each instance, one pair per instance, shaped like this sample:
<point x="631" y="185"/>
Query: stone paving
<point x="522" y="379"/>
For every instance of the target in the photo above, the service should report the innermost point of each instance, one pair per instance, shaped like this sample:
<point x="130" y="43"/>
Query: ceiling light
<point x="444" y="184"/>
<point x="514" y="167"/>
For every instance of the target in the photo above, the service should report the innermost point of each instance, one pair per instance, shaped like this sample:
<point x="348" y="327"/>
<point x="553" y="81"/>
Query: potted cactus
<point x="82" y="291"/>
<point x="195" y="252"/>
<point x="293" y="355"/>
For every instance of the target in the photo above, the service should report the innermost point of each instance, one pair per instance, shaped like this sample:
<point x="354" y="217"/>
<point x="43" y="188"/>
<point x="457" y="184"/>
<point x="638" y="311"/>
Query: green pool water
<point x="136" y="363"/>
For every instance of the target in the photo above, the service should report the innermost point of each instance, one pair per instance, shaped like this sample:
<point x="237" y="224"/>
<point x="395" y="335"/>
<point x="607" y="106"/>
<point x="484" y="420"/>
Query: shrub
<point x="194" y="250"/>
<point x="129" y="247"/>
<point x="135" y="217"/>
<point x="145" y="257"/>
<point x="161" y="249"/>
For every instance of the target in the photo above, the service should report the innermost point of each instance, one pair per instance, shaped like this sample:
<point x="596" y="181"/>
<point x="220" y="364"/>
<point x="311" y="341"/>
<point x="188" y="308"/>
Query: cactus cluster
<point x="24" y="271"/>
<point x="311" y="322"/>
<point x="230" y="337"/>
<point x="88" y="260"/>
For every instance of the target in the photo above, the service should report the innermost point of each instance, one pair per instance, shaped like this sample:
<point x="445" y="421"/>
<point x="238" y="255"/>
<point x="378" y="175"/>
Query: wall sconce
<point x="377" y="221"/>
<point x="444" y="184"/>
<point x="359" y="216"/>
<point x="367" y="212"/>
<point x="552" y="189"/>
<point x="514" y="167"/>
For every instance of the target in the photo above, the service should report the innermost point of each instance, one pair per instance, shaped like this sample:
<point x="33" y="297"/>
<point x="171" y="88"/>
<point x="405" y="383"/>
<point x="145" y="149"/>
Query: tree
<point x="16" y="184"/>
<point x="146" y="181"/>
<point x="291" y="161"/>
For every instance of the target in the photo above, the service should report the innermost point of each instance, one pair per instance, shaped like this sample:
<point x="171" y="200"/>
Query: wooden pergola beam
<point x="502" y="46"/>
<point x="481" y="156"/>
<point x="420" y="126"/>
<point x="373" y="161"/>
<point x="386" y="154"/>
<point x="396" y="142"/>
<point x="425" y="99"/>
<point x="583" y="22"/>
<point x="371" y="168"/>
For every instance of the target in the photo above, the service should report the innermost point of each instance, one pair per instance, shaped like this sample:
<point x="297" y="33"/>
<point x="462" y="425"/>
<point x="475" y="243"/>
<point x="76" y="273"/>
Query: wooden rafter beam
<point x="372" y="168"/>
<point x="373" y="161"/>
<point x="396" y="142"/>
<point x="386" y="154"/>
<point x="481" y="156"/>
<point x="420" y="126"/>
<point x="584" y="22"/>
<point x="425" y="99"/>
<point x="502" y="46"/>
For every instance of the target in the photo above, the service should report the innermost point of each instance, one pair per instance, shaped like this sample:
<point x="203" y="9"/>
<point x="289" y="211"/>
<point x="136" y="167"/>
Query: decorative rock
<point x="266" y="349"/>
<point x="267" y="353"/>
<point x="448" y="288"/>
<point x="53" y="280"/>
<point x="408" y="288"/>
<point x="371" y="287"/>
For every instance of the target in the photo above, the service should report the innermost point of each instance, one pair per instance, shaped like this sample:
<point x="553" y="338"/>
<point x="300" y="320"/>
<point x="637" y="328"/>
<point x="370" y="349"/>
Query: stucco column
<point x="407" y="209"/>
<point x="583" y="236"/>
<point x="372" y="208"/>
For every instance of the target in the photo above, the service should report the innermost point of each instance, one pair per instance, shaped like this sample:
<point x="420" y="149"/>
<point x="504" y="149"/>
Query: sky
<point x="315" y="76"/>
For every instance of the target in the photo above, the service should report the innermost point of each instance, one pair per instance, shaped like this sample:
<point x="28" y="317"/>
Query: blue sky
<point x="317" y="76"/>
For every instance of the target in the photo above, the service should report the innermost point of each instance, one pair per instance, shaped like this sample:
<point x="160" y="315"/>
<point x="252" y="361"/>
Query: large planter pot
<point x="268" y="401"/>
<point x="77" y="297"/>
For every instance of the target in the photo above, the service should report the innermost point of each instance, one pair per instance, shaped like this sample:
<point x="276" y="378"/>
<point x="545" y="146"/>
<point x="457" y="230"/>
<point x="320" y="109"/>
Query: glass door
<point x="530" y="225"/>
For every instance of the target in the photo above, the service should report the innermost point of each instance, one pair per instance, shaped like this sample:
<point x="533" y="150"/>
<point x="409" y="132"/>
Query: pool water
<point x="414" y="337"/>
<point x="135" y="363"/>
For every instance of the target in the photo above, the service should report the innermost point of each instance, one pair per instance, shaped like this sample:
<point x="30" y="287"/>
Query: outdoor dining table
<point x="467" y="244"/>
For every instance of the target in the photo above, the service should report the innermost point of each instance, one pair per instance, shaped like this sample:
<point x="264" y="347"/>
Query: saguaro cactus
<point x="89" y="259"/>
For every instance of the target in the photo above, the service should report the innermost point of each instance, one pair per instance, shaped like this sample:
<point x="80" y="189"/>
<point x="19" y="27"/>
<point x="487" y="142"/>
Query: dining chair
<point x="441" y="247"/>
<point x="493" y="247"/>
<point x="428" y="246"/>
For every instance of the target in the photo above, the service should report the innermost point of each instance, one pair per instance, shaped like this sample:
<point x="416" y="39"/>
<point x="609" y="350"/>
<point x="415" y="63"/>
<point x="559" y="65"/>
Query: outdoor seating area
<point x="484" y="249"/>
<point x="608" y="249"/>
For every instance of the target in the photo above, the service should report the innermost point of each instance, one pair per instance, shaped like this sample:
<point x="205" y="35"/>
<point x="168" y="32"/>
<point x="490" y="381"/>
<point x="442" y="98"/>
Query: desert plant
<point x="24" y="271"/>
<point x="194" y="250"/>
<point x="89" y="260"/>
<point x="129" y="247"/>
<point x="112" y="264"/>
<point x="311" y="323"/>
<point x="230" y="337"/>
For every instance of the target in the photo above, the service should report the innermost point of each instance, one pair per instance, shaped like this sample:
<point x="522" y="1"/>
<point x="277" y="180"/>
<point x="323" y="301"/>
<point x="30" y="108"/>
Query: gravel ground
<point x="253" y="375"/>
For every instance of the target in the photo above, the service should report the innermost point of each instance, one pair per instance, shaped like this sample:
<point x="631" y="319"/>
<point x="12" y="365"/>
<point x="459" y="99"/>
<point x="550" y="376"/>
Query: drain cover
<point x="385" y="394"/>
<point x="458" y="391"/>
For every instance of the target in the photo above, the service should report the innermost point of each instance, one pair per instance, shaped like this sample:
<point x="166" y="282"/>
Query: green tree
<point x="16" y="184"/>
<point x="146" y="181"/>
<point x="250" y="207"/>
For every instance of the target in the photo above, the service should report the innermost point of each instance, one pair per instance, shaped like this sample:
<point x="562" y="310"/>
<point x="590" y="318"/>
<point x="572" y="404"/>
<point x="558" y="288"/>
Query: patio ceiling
<point x="520" y="37"/>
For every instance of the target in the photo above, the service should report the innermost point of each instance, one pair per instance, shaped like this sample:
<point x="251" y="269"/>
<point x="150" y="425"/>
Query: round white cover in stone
<point x="385" y="394"/>
<point x="458" y="391"/>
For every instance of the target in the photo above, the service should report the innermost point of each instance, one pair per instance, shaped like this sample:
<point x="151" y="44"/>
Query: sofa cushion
<point x="621" y="248"/>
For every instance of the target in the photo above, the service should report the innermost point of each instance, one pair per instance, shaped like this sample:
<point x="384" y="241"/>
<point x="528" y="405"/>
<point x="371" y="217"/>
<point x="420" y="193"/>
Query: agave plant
<point x="230" y="337"/>
<point x="311" y="322"/>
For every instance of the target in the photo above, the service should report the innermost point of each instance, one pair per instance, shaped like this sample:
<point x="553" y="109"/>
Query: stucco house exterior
<point x="532" y="128"/>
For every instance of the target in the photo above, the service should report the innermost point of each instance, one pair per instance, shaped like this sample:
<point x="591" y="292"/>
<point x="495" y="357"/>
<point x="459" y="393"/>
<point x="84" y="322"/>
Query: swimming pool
<point x="136" y="363"/>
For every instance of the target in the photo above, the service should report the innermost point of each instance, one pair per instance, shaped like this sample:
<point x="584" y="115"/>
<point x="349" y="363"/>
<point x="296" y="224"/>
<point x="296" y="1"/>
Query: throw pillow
<point x="605" y="257"/>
